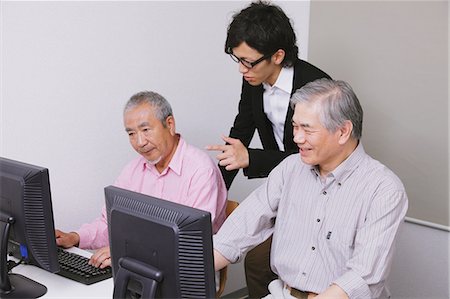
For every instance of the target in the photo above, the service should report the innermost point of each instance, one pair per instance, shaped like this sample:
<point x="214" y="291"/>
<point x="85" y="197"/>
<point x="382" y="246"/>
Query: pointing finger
<point x="215" y="147"/>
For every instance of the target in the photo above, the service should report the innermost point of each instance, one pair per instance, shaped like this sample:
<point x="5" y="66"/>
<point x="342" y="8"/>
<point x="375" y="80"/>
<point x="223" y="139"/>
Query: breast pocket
<point x="340" y="242"/>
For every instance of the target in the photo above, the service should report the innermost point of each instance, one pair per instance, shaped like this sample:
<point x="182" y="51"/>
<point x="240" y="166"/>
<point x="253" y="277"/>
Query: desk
<point x="61" y="287"/>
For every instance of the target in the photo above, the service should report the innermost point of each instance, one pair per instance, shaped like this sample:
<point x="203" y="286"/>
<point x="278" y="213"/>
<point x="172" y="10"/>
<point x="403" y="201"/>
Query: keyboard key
<point x="76" y="267"/>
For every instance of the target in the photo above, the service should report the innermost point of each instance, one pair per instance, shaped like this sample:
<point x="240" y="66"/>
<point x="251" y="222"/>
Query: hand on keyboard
<point x="101" y="258"/>
<point x="76" y="267"/>
<point x="66" y="240"/>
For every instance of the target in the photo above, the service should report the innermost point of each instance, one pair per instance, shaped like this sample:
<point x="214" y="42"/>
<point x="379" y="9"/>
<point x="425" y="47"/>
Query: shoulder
<point x="195" y="158"/>
<point x="380" y="187"/>
<point x="290" y="164"/>
<point x="136" y="163"/>
<point x="130" y="172"/>
<point x="306" y="72"/>
<point x="288" y="174"/>
<point x="380" y="175"/>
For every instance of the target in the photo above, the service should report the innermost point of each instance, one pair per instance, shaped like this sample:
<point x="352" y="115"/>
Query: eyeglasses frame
<point x="246" y="63"/>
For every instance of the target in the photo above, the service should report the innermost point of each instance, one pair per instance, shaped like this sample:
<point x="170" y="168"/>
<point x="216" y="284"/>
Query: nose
<point x="141" y="140"/>
<point x="299" y="136"/>
<point x="242" y="68"/>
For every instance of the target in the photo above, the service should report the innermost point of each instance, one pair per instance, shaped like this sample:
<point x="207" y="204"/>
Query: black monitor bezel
<point x="175" y="218"/>
<point x="26" y="198"/>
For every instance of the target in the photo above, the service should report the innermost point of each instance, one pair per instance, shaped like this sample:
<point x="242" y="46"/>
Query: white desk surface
<point x="61" y="287"/>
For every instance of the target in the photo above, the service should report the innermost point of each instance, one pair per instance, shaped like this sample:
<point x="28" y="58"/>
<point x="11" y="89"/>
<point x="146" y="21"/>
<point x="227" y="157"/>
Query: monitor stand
<point x="14" y="285"/>
<point x="131" y="270"/>
<point x="23" y="287"/>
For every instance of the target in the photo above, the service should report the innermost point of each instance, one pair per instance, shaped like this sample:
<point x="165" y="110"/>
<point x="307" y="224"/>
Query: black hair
<point x="265" y="28"/>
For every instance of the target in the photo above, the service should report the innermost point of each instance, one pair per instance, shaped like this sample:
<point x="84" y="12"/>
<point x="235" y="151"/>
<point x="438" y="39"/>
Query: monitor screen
<point x="26" y="226"/>
<point x="159" y="249"/>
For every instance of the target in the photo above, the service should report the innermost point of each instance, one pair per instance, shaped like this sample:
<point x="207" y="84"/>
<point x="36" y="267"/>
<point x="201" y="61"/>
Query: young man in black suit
<point x="261" y="40"/>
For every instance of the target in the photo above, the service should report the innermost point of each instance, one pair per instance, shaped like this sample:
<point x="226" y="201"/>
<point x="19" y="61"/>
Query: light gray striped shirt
<point x="340" y="229"/>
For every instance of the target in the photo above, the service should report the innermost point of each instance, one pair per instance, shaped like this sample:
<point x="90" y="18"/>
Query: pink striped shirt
<point x="191" y="179"/>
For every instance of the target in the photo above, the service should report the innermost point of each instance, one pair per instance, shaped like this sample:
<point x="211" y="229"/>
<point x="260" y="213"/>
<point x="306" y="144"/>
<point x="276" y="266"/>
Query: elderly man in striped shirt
<point x="337" y="209"/>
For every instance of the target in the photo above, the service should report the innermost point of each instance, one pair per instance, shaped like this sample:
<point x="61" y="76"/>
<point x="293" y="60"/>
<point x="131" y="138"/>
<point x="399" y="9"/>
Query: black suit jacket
<point x="251" y="116"/>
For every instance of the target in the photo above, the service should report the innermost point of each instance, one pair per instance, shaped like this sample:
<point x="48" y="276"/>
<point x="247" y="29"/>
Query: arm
<point x="252" y="221"/>
<point x="243" y="128"/>
<point x="332" y="292"/>
<point x="101" y="258"/>
<point x="233" y="156"/>
<point x="261" y="162"/>
<point x="94" y="235"/>
<point x="207" y="192"/>
<point x="368" y="268"/>
<point x="258" y="162"/>
<point x="66" y="240"/>
<point x="220" y="261"/>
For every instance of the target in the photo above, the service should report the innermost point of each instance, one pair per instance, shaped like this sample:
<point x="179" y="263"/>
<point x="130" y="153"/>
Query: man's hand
<point x="333" y="292"/>
<point x="219" y="261"/>
<point x="66" y="240"/>
<point x="234" y="155"/>
<point x="101" y="258"/>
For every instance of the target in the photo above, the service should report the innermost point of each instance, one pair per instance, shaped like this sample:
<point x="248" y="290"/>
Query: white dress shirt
<point x="276" y="102"/>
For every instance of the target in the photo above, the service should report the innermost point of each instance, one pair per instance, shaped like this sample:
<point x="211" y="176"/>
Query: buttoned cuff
<point x="353" y="285"/>
<point x="84" y="242"/>
<point x="254" y="170"/>
<point x="230" y="253"/>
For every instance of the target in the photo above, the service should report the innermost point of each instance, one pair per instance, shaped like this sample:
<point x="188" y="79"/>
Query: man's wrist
<point x="75" y="238"/>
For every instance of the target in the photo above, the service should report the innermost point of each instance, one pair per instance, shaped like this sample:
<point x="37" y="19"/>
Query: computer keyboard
<point x="76" y="267"/>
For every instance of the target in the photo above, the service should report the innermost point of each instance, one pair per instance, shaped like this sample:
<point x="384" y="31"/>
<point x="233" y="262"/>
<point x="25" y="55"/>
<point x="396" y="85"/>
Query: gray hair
<point x="338" y="102"/>
<point x="157" y="101"/>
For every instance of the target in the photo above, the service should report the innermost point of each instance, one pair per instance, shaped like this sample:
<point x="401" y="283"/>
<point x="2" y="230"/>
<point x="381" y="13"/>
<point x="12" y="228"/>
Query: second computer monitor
<point x="26" y="226"/>
<point x="159" y="248"/>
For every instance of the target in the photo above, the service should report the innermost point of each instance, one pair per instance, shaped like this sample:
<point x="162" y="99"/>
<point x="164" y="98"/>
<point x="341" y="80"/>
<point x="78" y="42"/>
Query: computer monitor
<point x="26" y="226"/>
<point x="159" y="249"/>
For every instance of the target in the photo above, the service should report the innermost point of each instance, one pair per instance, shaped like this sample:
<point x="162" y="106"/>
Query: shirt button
<point x="324" y="192"/>
<point x="304" y="274"/>
<point x="313" y="248"/>
<point x="318" y="220"/>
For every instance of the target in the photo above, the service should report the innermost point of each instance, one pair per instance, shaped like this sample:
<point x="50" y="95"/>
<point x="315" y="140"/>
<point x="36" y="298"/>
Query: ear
<point x="278" y="57"/>
<point x="345" y="132"/>
<point x="170" y="124"/>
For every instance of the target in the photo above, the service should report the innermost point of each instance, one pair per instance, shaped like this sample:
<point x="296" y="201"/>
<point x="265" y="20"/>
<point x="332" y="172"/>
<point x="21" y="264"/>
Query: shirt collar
<point x="347" y="167"/>
<point x="175" y="163"/>
<point x="177" y="160"/>
<point x="284" y="80"/>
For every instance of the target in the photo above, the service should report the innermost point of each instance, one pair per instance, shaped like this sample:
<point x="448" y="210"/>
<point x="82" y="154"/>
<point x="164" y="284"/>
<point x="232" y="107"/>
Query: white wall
<point x="420" y="266"/>
<point x="395" y="56"/>
<point x="69" y="67"/>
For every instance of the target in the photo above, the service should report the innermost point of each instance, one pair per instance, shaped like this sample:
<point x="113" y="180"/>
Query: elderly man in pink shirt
<point x="167" y="168"/>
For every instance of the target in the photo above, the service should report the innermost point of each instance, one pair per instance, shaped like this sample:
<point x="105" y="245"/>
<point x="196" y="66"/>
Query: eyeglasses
<point x="246" y="63"/>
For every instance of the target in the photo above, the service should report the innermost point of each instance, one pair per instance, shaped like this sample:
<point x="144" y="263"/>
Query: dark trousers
<point x="257" y="270"/>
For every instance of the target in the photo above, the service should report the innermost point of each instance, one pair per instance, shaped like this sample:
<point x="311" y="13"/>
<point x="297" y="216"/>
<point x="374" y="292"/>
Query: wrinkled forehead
<point x="139" y="113"/>
<point x="307" y="114"/>
<point x="142" y="110"/>
<point x="312" y="107"/>
<point x="144" y="106"/>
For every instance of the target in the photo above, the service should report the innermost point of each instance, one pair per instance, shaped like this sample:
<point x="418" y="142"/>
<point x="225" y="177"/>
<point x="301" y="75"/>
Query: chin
<point x="153" y="160"/>
<point x="254" y="83"/>
<point x="308" y="161"/>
